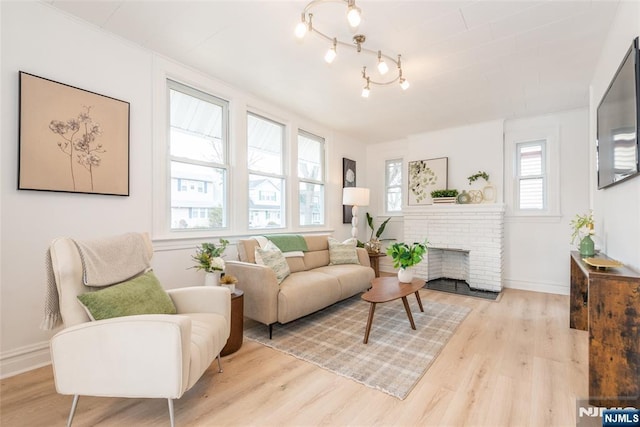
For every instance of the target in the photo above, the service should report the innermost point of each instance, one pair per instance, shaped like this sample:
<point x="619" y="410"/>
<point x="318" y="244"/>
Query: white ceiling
<point x="467" y="61"/>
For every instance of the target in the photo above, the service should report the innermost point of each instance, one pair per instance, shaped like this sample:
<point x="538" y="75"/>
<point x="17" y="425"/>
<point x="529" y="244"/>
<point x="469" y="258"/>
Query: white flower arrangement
<point x="217" y="264"/>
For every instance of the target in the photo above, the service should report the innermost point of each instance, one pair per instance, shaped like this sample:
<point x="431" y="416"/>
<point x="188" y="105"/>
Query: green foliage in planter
<point x="444" y="193"/>
<point x="405" y="255"/>
<point x="372" y="227"/>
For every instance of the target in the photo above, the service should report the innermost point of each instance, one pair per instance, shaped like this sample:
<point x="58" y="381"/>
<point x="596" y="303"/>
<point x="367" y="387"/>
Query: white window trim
<point x="551" y="136"/>
<point x="386" y="188"/>
<point x="163" y="71"/>
<point x="239" y="104"/>
<point x="322" y="182"/>
<point x="286" y="212"/>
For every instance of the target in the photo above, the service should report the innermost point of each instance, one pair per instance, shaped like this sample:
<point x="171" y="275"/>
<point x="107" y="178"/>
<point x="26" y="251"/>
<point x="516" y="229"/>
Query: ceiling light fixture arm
<point x="357" y="43"/>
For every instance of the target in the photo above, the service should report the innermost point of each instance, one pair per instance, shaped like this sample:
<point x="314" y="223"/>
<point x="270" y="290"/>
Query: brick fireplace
<point x="465" y="241"/>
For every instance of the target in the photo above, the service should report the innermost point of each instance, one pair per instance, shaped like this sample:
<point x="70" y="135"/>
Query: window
<point x="198" y="124"/>
<point x="393" y="186"/>
<point x="265" y="161"/>
<point x="311" y="178"/>
<point x="530" y="175"/>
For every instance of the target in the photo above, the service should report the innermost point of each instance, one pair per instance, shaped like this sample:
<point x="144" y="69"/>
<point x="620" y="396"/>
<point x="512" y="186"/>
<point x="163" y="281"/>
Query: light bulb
<point x="330" y="55"/>
<point x="365" y="92"/>
<point x="301" y="29"/>
<point x="383" y="68"/>
<point x="404" y="84"/>
<point x="353" y="16"/>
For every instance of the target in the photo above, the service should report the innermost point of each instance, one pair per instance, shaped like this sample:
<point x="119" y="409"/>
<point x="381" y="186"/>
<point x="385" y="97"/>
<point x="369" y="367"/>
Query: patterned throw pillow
<point x="274" y="260"/>
<point x="343" y="253"/>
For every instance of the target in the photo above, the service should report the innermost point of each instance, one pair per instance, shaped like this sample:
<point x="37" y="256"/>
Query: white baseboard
<point x="24" y="359"/>
<point x="549" y="288"/>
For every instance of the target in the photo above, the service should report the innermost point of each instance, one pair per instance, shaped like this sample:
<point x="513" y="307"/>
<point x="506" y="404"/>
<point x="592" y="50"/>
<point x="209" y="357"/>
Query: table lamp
<point x="355" y="196"/>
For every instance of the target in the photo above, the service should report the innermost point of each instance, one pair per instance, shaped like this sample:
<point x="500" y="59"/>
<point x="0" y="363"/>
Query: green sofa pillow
<point x="141" y="295"/>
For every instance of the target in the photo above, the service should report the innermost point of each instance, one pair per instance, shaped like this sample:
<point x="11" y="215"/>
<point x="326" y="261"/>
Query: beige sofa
<point x="312" y="285"/>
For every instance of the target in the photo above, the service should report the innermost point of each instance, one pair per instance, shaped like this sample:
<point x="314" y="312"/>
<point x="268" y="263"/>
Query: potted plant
<point x="405" y="256"/>
<point x="229" y="281"/>
<point x="374" y="245"/>
<point x="582" y="227"/>
<point x="208" y="257"/>
<point x="444" y="196"/>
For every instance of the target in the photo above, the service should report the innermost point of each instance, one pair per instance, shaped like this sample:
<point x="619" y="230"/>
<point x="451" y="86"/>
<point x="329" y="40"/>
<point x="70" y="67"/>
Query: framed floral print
<point x="72" y="140"/>
<point x="426" y="176"/>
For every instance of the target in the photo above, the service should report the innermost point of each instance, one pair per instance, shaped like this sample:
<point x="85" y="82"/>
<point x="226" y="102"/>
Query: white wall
<point x="617" y="208"/>
<point x="468" y="148"/>
<point x="536" y="249"/>
<point x="38" y="39"/>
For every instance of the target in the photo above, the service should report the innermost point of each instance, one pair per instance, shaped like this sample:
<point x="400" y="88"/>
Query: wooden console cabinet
<point x="607" y="304"/>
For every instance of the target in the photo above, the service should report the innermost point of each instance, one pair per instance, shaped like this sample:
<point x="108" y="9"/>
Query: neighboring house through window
<point x="197" y="159"/>
<point x="311" y="178"/>
<point x="265" y="162"/>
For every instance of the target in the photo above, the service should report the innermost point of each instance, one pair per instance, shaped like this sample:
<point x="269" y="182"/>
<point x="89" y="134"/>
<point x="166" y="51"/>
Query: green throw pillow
<point x="343" y="253"/>
<point x="275" y="261"/>
<point x="141" y="295"/>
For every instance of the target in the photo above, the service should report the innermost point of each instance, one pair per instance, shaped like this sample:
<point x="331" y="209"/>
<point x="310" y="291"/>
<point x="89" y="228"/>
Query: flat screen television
<point x="618" y="117"/>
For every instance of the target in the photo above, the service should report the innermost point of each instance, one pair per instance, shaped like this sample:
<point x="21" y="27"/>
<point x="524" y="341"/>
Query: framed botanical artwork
<point x="348" y="180"/>
<point x="426" y="176"/>
<point x="72" y="140"/>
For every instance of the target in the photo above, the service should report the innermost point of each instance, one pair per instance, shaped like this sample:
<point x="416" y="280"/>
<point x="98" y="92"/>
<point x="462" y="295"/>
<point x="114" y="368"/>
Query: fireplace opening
<point x="449" y="272"/>
<point x="460" y="287"/>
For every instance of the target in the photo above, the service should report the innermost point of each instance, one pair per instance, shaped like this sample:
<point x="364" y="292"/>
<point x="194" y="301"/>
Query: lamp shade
<point x="355" y="196"/>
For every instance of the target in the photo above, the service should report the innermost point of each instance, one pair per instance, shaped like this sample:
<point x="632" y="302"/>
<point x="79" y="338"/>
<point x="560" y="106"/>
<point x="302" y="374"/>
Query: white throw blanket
<point x="104" y="262"/>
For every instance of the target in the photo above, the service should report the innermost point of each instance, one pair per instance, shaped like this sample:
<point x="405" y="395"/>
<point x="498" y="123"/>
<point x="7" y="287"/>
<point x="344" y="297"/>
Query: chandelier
<point x="354" y="17"/>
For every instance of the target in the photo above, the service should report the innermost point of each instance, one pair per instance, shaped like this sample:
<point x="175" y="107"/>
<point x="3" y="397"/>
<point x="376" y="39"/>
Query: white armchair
<point x="140" y="356"/>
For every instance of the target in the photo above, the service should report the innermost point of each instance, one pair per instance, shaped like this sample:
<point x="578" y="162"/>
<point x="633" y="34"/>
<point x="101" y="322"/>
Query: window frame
<point x="543" y="174"/>
<point x="515" y="135"/>
<point x="224" y="104"/>
<point x="283" y="176"/>
<point x="321" y="182"/>
<point x="387" y="186"/>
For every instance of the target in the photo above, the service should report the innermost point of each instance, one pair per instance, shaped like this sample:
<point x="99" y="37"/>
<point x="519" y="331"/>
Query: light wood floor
<point x="514" y="362"/>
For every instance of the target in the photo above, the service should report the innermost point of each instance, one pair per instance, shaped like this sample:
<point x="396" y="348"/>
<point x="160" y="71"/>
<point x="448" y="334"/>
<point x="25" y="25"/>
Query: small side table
<point x="375" y="261"/>
<point x="237" y="323"/>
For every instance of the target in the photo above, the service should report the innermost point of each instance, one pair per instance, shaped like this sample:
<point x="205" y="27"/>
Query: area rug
<point x="396" y="356"/>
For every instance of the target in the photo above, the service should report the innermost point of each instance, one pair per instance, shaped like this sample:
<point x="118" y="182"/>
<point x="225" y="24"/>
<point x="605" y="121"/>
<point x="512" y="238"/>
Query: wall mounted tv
<point x="618" y="117"/>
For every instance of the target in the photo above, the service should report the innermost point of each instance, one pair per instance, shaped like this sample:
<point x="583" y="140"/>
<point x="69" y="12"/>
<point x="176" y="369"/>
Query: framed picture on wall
<point x="72" y="140"/>
<point x="348" y="180"/>
<point x="426" y="176"/>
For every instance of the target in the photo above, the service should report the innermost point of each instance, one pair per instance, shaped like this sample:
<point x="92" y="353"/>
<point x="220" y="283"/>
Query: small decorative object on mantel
<point x="374" y="245"/>
<point x="208" y="257"/>
<point x="229" y="281"/>
<point x="463" y="198"/>
<point x="405" y="256"/>
<point x="444" y="196"/>
<point x="582" y="226"/>
<point x="487" y="194"/>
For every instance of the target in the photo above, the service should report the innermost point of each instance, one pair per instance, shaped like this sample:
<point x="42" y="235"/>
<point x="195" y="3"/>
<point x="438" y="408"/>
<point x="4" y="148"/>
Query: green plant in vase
<point x="374" y="245"/>
<point x="583" y="228"/>
<point x="406" y="255"/>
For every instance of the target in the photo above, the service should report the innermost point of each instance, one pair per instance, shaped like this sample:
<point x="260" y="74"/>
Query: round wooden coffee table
<point x="385" y="289"/>
<point x="237" y="323"/>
